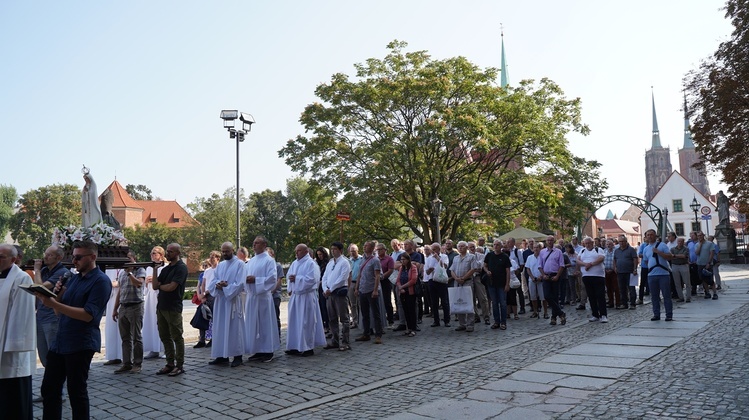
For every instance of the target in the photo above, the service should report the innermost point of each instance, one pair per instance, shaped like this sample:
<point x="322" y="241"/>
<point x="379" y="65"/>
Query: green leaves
<point x="409" y="128"/>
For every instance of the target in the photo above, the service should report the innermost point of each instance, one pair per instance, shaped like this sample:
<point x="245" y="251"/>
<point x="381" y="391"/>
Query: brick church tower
<point x="688" y="157"/>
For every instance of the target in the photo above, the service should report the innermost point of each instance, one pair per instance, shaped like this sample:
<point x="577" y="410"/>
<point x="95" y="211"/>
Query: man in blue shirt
<point x="80" y="305"/>
<point x="656" y="255"/>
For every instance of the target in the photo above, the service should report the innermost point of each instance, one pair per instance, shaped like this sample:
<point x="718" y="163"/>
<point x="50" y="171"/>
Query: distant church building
<point x="658" y="162"/>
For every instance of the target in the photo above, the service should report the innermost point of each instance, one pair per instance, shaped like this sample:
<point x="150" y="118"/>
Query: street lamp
<point x="695" y="206"/>
<point x="436" y="210"/>
<point x="230" y="116"/>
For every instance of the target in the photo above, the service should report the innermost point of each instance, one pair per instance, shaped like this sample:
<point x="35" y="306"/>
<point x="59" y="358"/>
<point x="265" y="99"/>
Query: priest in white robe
<point x="305" y="330"/>
<point x="225" y="286"/>
<point x="261" y="328"/>
<point x="17" y="338"/>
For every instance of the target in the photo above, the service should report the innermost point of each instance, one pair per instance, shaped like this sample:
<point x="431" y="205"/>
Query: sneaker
<point x="715" y="296"/>
<point x="594" y="319"/>
<point x="124" y="369"/>
<point x="604" y="319"/>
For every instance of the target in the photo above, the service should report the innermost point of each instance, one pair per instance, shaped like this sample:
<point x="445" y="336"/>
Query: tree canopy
<point x="8" y="198"/>
<point x="41" y="210"/>
<point x="718" y="102"/>
<point x="408" y="129"/>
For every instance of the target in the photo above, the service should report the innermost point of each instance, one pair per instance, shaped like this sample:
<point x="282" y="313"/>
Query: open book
<point x="37" y="288"/>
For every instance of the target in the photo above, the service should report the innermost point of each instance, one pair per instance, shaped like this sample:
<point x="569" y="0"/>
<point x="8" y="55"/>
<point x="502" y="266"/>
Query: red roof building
<point x="130" y="212"/>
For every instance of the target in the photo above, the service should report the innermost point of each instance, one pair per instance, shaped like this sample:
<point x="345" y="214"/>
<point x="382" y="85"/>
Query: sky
<point x="134" y="89"/>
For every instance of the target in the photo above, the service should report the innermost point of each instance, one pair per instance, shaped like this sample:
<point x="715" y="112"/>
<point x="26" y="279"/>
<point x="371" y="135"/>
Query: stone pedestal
<point x="726" y="238"/>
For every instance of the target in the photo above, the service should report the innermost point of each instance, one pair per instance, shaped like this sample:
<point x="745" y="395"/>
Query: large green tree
<point x="719" y="103"/>
<point x="141" y="239"/>
<point x="41" y="210"/>
<point x="408" y="129"/>
<point x="8" y="198"/>
<point x="217" y="220"/>
<point x="268" y="215"/>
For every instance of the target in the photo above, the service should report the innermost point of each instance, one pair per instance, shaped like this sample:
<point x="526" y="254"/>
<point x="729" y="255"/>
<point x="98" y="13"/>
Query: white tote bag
<point x="440" y="275"/>
<point x="461" y="300"/>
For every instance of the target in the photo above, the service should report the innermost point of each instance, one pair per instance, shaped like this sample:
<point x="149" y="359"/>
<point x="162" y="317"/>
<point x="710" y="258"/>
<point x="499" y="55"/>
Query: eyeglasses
<point x="80" y="257"/>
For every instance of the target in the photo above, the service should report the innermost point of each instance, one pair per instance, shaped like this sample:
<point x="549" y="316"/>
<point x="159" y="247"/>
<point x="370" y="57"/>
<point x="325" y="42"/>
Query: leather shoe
<point x="200" y="345"/>
<point x="219" y="361"/>
<point x="331" y="346"/>
<point x="400" y="327"/>
<point x="113" y="362"/>
<point x="362" y="338"/>
<point x="236" y="362"/>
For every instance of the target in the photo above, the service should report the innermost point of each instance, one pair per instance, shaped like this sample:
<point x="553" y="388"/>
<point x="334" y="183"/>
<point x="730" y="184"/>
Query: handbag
<point x="196" y="299"/>
<point x="418" y="288"/>
<point x="514" y="283"/>
<point x="461" y="300"/>
<point x="440" y="275"/>
<point x="198" y="321"/>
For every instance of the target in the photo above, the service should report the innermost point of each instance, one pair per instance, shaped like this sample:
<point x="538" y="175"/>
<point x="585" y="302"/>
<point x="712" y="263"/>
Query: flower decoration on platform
<point x="100" y="234"/>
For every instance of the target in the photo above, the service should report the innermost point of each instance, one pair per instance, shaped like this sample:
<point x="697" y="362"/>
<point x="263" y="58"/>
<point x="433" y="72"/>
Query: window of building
<point x="696" y="226"/>
<point x="678" y="208"/>
<point x="679" y="229"/>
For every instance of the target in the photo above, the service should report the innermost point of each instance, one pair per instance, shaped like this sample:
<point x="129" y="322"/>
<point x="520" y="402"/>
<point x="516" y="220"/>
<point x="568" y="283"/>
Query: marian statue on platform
<point x="723" y="215"/>
<point x="89" y="200"/>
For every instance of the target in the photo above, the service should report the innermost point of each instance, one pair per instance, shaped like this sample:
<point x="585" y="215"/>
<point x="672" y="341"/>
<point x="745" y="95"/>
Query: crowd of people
<point x="330" y="294"/>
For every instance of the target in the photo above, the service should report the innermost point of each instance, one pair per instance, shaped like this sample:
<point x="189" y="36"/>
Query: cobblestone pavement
<point x="531" y="370"/>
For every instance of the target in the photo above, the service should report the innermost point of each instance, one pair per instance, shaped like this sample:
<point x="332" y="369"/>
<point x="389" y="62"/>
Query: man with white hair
<point x="461" y="271"/>
<point x="437" y="289"/>
<point x="305" y="330"/>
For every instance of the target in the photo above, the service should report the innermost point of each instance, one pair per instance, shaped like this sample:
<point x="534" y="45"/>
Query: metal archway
<point x="654" y="213"/>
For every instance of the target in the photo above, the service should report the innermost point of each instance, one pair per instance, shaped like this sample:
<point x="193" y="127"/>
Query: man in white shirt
<point x="437" y="289"/>
<point x="335" y="289"/>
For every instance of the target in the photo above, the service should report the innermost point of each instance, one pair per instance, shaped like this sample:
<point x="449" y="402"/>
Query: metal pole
<point x="238" y="243"/>
<point x="341" y="235"/>
<point x="439" y="238"/>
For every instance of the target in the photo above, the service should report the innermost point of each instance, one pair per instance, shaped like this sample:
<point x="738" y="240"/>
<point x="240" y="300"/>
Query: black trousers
<point x="387" y="296"/>
<point x="74" y="368"/>
<point x="15" y="398"/>
<point x="438" y="294"/>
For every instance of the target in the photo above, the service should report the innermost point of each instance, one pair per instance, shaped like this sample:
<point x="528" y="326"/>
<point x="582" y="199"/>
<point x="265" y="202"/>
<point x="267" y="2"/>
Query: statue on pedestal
<point x="90" y="213"/>
<point x="723" y="213"/>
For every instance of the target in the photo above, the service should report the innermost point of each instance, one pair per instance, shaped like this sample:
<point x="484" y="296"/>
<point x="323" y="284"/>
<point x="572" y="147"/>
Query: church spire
<point x="688" y="143"/>
<point x="503" y="69"/>
<point x="656" y="133"/>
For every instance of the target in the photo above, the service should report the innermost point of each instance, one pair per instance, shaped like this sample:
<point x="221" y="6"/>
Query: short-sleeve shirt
<point x="625" y="259"/>
<point x="90" y="292"/>
<point x="367" y="276"/>
<point x="551" y="261"/>
<point x="355" y="265"/>
<point x="498" y="265"/>
<point x="173" y="273"/>
<point x="130" y="293"/>
<point x="462" y="265"/>
<point x="704" y="257"/>
<point x="386" y="263"/>
<point x="588" y="256"/>
<point x="656" y="263"/>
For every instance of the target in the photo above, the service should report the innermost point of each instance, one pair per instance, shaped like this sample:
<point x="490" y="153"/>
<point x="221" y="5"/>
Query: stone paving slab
<point x="538" y="377"/>
<point x="574" y="359"/>
<point x="633" y="340"/>
<point x="459" y="409"/>
<point x="584" y="382"/>
<point x="578" y="370"/>
<point x="655" y="331"/>
<point x="633" y="352"/>
<point x="678" y="325"/>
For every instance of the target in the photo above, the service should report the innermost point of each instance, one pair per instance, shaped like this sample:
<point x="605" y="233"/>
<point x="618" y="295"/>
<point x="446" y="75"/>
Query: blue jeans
<point x="498" y="297"/>
<point x="660" y="285"/>
<point x="46" y="334"/>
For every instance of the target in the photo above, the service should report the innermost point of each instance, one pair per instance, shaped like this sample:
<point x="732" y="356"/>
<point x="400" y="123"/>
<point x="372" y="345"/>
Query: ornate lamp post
<point x="229" y="116"/>
<point x="695" y="206"/>
<point x="436" y="210"/>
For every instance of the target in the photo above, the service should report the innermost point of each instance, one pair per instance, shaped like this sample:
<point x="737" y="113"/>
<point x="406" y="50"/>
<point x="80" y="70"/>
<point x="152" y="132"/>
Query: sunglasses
<point x="80" y="257"/>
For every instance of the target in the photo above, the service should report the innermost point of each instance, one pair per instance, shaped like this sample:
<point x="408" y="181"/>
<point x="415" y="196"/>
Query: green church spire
<point x="503" y="70"/>
<point x="656" y="133"/>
